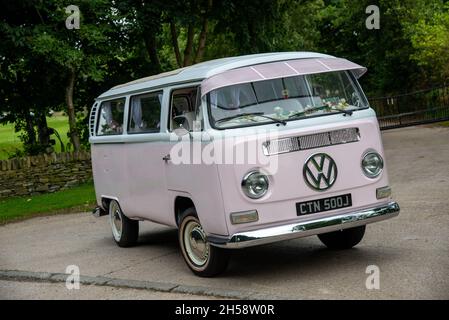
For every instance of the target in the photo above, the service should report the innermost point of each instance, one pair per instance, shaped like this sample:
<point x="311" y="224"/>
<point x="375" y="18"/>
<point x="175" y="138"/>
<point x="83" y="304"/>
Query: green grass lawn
<point x="76" y="199"/>
<point x="10" y="142"/>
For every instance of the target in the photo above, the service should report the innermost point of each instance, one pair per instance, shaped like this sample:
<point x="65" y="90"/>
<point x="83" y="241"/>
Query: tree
<point x="299" y="25"/>
<point x="44" y="65"/>
<point x="183" y="25"/>
<point x="429" y="34"/>
<point x="252" y="26"/>
<point x="385" y="52"/>
<point x="141" y="26"/>
<point x="27" y="82"/>
<point x="190" y="16"/>
<point x="79" y="54"/>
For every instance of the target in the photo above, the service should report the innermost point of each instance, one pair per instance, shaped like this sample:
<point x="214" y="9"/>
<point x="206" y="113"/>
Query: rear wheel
<point x="343" y="239"/>
<point x="202" y="258"/>
<point x="124" y="230"/>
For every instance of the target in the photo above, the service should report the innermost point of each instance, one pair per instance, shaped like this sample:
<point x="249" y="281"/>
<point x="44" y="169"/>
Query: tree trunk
<point x="74" y="136"/>
<point x="150" y="43"/>
<point x="203" y="35"/>
<point x="202" y="42"/>
<point x="189" y="46"/>
<point x="31" y="134"/>
<point x="254" y="48"/>
<point x="42" y="129"/>
<point x="174" y="39"/>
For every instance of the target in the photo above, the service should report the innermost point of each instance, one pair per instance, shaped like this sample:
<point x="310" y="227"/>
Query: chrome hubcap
<point x="195" y="242"/>
<point x="116" y="221"/>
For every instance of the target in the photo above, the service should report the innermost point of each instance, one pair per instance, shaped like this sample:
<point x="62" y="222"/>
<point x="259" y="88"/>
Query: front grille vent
<point x="311" y="141"/>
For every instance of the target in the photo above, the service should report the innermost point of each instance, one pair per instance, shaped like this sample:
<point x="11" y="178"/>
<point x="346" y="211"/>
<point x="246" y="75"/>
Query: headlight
<point x="372" y="164"/>
<point x="255" y="184"/>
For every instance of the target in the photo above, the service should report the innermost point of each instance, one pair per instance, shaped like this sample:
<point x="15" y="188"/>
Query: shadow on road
<point x="166" y="238"/>
<point x="305" y="257"/>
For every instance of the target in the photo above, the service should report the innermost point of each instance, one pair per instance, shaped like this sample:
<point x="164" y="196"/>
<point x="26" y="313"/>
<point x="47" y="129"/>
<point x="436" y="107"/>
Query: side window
<point x="110" y="120"/>
<point x="185" y="109"/>
<point x="145" y="113"/>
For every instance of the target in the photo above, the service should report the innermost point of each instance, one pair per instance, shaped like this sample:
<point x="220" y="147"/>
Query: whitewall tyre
<point x="124" y="230"/>
<point x="201" y="257"/>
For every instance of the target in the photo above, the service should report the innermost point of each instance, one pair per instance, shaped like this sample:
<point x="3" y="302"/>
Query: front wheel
<point x="124" y="230"/>
<point x="343" y="239"/>
<point x="202" y="258"/>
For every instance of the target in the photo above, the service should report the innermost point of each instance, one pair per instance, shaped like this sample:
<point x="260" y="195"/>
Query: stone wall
<point x="43" y="173"/>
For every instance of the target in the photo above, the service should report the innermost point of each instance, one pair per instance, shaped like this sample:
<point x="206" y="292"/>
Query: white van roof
<point x="203" y="70"/>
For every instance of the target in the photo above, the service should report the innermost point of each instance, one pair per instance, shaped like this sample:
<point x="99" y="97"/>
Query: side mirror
<point x="182" y="122"/>
<point x="181" y="131"/>
<point x="183" y="126"/>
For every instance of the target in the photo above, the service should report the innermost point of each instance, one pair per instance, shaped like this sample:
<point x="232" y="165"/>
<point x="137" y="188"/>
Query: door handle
<point x="166" y="158"/>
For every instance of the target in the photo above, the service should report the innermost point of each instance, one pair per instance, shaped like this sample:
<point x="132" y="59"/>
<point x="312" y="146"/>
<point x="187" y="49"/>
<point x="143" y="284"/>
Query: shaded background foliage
<point x="44" y="66"/>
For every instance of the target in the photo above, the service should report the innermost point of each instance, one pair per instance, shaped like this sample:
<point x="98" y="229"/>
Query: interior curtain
<point x="214" y="98"/>
<point x="227" y="98"/>
<point x="235" y="96"/>
<point x="160" y="98"/>
<point x="137" y="113"/>
<point x="107" y="112"/>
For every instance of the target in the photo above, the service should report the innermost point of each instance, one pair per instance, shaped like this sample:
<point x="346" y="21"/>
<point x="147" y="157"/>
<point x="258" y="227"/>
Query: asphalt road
<point x="411" y="250"/>
<point x="31" y="290"/>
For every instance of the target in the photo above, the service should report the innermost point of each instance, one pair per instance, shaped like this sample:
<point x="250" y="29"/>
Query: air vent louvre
<point x="311" y="141"/>
<point x="92" y="117"/>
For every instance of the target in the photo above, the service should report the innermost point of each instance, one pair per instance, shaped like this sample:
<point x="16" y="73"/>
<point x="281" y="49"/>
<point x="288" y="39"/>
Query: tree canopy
<point x="45" y="66"/>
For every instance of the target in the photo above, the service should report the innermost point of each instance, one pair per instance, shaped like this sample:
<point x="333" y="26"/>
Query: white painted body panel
<point x="205" y="70"/>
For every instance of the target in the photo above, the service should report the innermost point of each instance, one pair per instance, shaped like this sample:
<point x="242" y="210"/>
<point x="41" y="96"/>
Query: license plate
<point x="324" y="204"/>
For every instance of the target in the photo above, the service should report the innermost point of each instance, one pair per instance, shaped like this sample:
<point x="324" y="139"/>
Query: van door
<point x="181" y="118"/>
<point x="186" y="172"/>
<point x="144" y="148"/>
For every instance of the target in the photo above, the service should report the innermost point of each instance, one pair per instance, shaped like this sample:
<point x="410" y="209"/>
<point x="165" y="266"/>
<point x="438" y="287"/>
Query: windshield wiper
<point x="346" y="112"/>
<point x="258" y="114"/>
<point x="323" y="107"/>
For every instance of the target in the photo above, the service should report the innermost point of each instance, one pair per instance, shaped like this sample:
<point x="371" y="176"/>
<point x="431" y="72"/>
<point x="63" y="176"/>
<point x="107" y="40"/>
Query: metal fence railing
<point x="419" y="107"/>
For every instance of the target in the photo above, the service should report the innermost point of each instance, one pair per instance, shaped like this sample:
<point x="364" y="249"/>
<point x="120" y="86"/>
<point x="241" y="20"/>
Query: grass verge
<point x="443" y="124"/>
<point x="76" y="199"/>
<point x="10" y="142"/>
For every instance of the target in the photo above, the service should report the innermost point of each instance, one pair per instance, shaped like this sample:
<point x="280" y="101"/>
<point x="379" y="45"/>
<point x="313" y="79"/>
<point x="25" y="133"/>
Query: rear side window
<point x="145" y="113"/>
<point x="110" y="120"/>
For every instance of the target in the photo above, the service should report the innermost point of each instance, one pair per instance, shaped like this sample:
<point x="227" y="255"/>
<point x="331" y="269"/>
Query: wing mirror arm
<point x="183" y="126"/>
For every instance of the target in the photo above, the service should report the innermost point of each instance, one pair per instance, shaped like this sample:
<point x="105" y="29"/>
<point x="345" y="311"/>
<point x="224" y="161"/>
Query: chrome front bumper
<point x="306" y="228"/>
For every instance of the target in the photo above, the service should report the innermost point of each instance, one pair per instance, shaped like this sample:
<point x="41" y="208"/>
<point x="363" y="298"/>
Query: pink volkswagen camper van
<point x="239" y="152"/>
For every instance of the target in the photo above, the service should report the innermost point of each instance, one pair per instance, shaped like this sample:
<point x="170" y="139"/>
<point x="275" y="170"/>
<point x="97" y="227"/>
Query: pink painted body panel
<point x="287" y="186"/>
<point x="131" y="169"/>
<point x="147" y="187"/>
<point x="108" y="162"/>
<point x="199" y="182"/>
<point x="138" y="178"/>
<point x="280" y="69"/>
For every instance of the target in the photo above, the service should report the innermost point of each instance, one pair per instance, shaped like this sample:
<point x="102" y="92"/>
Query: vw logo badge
<point x="320" y="172"/>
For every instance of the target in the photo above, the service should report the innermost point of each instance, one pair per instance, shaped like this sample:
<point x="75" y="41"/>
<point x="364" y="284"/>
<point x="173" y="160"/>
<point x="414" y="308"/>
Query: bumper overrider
<point x="306" y="228"/>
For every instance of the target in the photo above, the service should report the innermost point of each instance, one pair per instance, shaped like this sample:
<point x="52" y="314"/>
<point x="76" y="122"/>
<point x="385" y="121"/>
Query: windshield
<point x="284" y="99"/>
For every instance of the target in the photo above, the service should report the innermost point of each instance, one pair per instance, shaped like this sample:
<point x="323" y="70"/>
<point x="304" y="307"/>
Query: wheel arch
<point x="181" y="204"/>
<point x="106" y="200"/>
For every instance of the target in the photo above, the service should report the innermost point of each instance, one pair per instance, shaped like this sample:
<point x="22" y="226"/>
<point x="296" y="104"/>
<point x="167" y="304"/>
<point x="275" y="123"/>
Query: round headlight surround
<point x="255" y="184"/>
<point x="372" y="164"/>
